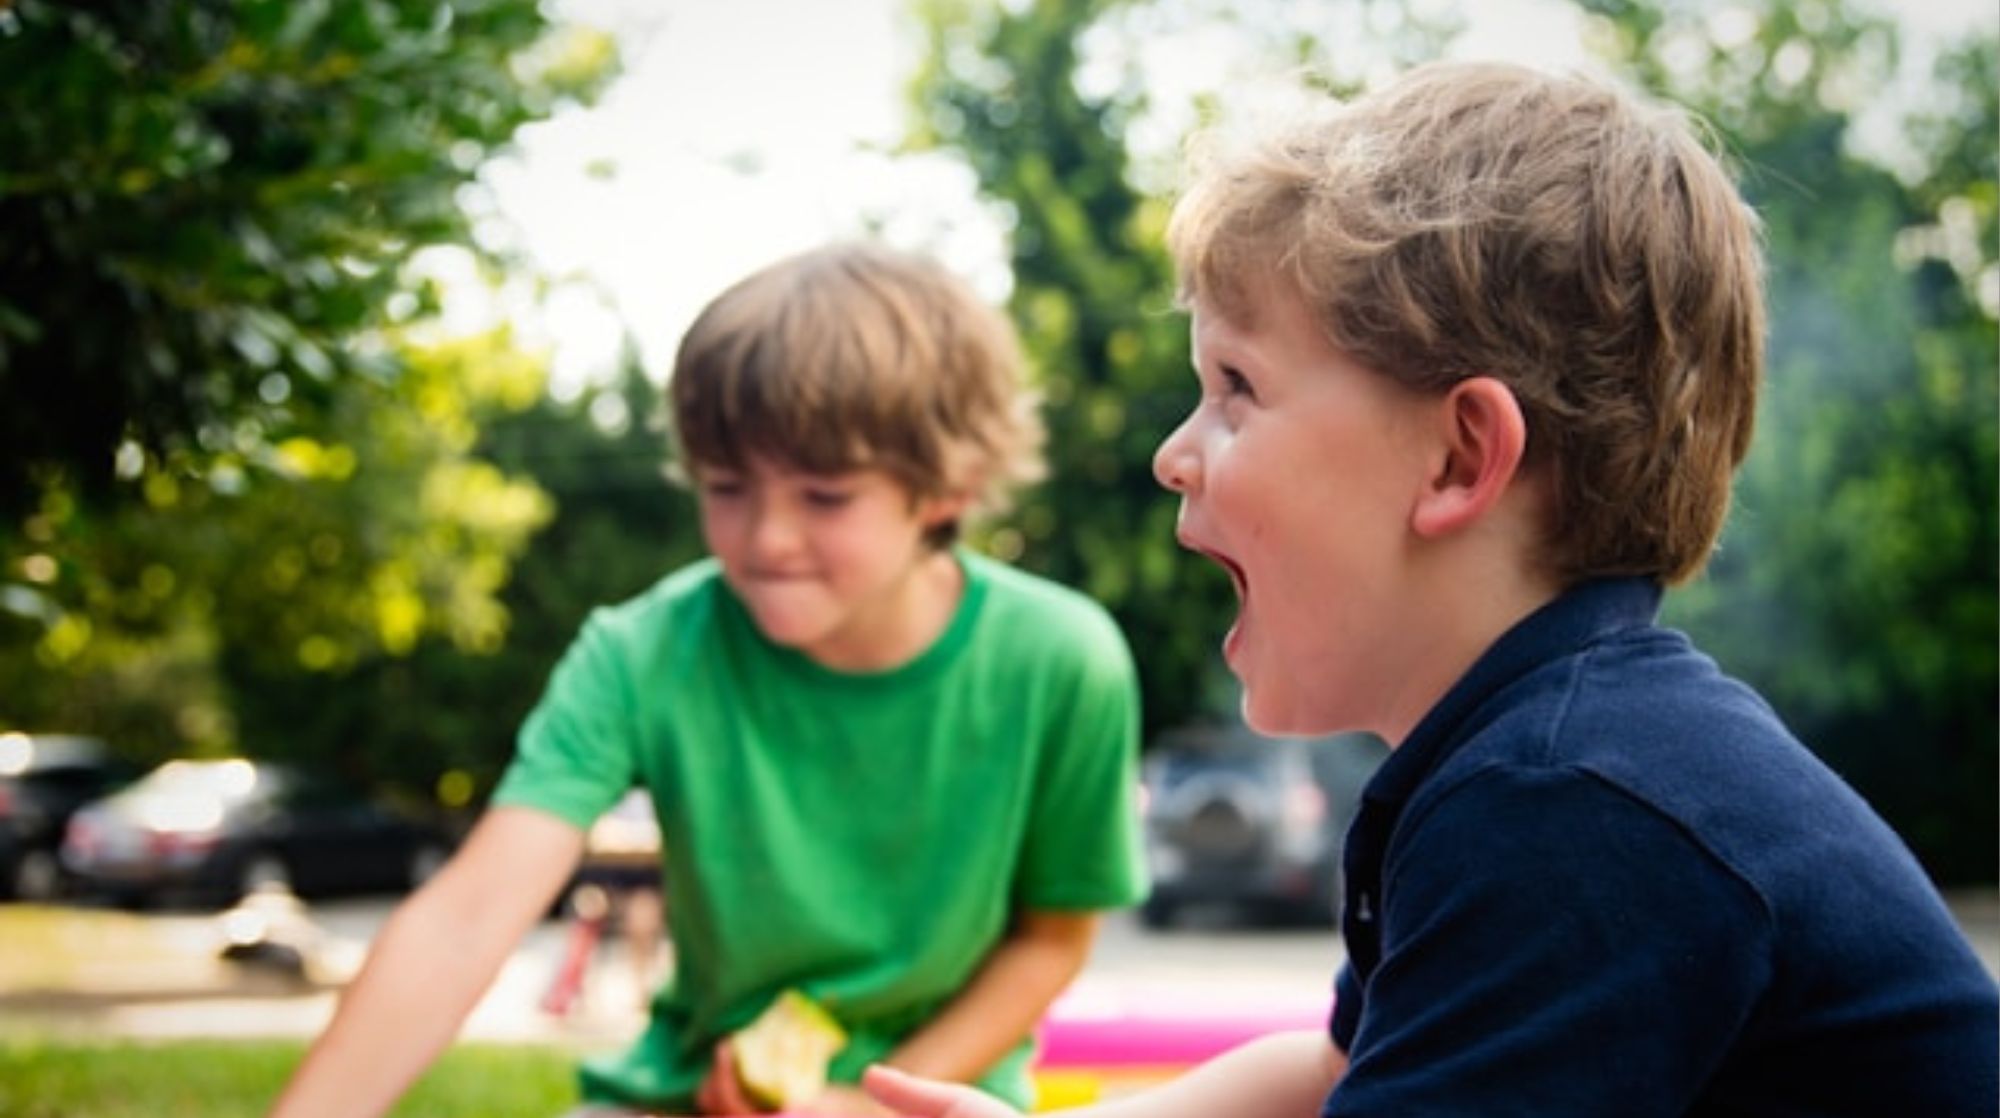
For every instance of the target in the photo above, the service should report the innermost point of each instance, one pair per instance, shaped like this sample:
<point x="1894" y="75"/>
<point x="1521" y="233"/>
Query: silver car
<point x="219" y="829"/>
<point x="1249" y="823"/>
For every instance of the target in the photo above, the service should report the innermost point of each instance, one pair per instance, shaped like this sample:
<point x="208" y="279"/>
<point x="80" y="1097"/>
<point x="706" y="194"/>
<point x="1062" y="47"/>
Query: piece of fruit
<point x="781" y="1057"/>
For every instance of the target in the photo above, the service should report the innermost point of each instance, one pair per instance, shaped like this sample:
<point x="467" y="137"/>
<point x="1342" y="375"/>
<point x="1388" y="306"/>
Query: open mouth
<point x="1232" y="642"/>
<point x="1236" y="576"/>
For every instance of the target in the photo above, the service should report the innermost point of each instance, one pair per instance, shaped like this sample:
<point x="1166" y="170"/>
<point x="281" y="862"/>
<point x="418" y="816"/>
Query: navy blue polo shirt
<point x="1601" y="878"/>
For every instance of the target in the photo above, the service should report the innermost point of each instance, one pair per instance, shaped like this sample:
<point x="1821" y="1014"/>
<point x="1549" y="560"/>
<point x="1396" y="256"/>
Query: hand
<point x="930" y="1098"/>
<point x="720" y="1091"/>
<point x="842" y="1101"/>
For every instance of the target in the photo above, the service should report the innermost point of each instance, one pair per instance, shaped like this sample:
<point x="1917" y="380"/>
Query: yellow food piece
<point x="781" y="1057"/>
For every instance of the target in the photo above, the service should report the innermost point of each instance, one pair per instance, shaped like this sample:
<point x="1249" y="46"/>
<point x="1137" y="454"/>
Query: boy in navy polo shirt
<point x="1479" y="356"/>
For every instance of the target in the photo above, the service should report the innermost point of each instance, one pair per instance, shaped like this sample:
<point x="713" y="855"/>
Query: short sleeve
<point x="1550" y="947"/>
<point x="1346" y="1008"/>
<point x="574" y="755"/>
<point x="1083" y="849"/>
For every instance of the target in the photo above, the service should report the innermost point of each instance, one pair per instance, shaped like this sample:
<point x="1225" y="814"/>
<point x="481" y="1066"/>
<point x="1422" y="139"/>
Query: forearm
<point x="429" y="965"/>
<point x="1279" y="1075"/>
<point x="422" y="977"/>
<point x="1284" y="1075"/>
<point x="1004" y="1001"/>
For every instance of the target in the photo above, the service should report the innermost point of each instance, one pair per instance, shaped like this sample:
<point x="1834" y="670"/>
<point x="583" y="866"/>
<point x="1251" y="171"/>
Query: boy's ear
<point x="943" y="509"/>
<point x="1484" y="436"/>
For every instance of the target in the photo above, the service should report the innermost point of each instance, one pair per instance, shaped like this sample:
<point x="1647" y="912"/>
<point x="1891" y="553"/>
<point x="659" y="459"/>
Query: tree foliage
<point x="208" y="206"/>
<point x="236" y="454"/>
<point x="1093" y="299"/>
<point x="440" y="717"/>
<point x="381" y="531"/>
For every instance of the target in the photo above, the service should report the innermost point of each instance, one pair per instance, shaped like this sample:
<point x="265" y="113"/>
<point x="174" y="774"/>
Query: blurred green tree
<point x="234" y="451"/>
<point x="441" y="719"/>
<point x="1093" y="298"/>
<point x="382" y="530"/>
<point x="209" y="207"/>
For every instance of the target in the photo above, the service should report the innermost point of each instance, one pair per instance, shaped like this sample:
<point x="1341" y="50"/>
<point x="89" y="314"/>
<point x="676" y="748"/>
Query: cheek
<point x="1237" y="482"/>
<point x="720" y="526"/>
<point x="841" y="539"/>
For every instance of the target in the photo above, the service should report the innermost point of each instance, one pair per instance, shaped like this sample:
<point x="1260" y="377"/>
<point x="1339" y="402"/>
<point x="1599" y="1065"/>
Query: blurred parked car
<point x="44" y="778"/>
<point x="1237" y="819"/>
<point x="219" y="829"/>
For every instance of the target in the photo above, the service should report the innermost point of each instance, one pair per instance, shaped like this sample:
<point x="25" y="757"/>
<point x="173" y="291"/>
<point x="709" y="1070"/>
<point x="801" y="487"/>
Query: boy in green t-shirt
<point x="891" y="774"/>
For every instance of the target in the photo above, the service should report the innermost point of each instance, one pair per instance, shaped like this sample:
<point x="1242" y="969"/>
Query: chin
<point x="1275" y="719"/>
<point x="1265" y="719"/>
<point x="788" y="632"/>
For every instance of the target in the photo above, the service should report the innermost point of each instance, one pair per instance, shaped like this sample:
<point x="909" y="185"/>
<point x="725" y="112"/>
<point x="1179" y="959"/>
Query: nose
<point x="1177" y="464"/>
<point x="773" y="530"/>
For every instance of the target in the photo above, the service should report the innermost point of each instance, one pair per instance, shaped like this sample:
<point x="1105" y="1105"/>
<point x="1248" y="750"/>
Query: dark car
<point x="216" y="830"/>
<point x="44" y="778"/>
<point x="1255" y="824"/>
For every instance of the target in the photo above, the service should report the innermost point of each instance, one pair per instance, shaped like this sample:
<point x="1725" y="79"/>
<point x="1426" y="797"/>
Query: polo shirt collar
<point x="1578" y="617"/>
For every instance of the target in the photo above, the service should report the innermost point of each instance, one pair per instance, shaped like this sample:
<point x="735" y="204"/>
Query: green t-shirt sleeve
<point x="574" y="755"/>
<point x="1083" y="848"/>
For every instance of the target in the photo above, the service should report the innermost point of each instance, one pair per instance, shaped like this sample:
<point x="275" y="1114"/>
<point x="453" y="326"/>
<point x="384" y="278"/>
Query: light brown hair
<point x="1584" y="248"/>
<point x="857" y="356"/>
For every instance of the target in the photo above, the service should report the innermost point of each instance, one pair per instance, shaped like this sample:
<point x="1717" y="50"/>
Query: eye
<point x="822" y="498"/>
<point x="1234" y="383"/>
<point x="716" y="487"/>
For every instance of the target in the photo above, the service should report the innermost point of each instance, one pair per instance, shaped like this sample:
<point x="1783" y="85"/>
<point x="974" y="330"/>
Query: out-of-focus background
<point x="332" y="336"/>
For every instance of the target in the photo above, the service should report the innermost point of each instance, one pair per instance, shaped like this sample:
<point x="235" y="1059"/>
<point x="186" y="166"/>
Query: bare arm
<point x="1284" y="1074"/>
<point x="1005" y="999"/>
<point x="430" y="964"/>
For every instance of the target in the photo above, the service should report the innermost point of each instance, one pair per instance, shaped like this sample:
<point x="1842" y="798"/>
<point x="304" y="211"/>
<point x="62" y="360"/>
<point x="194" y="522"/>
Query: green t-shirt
<point x="864" y="838"/>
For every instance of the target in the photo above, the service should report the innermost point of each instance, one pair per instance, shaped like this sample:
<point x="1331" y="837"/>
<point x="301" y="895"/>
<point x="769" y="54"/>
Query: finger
<point x="907" y="1094"/>
<point x="704" y="1096"/>
<point x="730" y="1097"/>
<point x="845" y="1100"/>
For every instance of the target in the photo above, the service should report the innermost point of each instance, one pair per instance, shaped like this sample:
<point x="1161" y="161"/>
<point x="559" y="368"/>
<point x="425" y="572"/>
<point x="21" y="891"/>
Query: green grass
<point x="42" y="1077"/>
